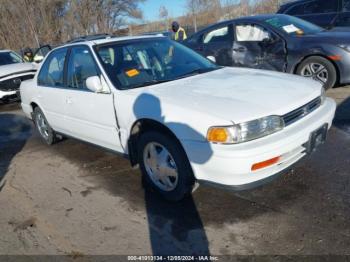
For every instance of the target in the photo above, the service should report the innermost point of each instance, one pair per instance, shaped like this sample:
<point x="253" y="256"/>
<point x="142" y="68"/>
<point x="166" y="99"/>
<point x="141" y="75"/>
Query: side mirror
<point x="94" y="84"/>
<point x="212" y="58"/>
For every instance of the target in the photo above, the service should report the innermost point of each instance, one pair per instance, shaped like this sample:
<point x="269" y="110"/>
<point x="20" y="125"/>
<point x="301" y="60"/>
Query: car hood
<point x="15" y="69"/>
<point x="238" y="94"/>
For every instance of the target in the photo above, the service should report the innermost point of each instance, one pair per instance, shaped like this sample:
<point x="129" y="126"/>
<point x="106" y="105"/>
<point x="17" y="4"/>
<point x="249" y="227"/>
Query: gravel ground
<point x="74" y="199"/>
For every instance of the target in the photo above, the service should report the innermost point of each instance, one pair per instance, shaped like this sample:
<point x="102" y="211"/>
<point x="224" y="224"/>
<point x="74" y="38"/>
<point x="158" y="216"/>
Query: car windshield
<point x="150" y="61"/>
<point x="293" y="25"/>
<point x="7" y="58"/>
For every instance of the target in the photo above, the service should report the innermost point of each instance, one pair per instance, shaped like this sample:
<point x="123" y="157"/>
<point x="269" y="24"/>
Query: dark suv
<point x="326" y="13"/>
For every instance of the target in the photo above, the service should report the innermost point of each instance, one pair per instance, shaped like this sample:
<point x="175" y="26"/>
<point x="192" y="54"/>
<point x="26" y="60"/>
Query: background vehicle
<point x="325" y="13"/>
<point x="172" y="112"/>
<point x="13" y="71"/>
<point x="161" y="33"/>
<point x="280" y="43"/>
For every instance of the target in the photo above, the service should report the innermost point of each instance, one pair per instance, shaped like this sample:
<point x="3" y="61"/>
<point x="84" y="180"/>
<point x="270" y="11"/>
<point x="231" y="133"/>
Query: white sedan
<point x="179" y="116"/>
<point x="12" y="72"/>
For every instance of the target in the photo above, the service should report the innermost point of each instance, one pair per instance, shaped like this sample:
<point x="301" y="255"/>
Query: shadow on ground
<point x="14" y="132"/>
<point x="342" y="116"/>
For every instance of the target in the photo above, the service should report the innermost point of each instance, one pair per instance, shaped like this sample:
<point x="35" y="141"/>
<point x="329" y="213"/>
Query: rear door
<point x="51" y="93"/>
<point x="89" y="116"/>
<point x="255" y="46"/>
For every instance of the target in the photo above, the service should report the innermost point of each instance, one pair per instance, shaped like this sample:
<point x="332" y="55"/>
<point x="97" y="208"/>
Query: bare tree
<point x="164" y="16"/>
<point x="192" y="7"/>
<point x="207" y="11"/>
<point x="34" y="22"/>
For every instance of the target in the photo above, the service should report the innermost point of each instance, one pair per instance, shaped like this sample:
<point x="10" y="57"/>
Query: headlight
<point x="245" y="131"/>
<point x="345" y="47"/>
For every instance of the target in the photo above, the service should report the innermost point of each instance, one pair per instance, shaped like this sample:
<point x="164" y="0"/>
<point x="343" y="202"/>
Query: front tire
<point x="164" y="166"/>
<point x="46" y="132"/>
<point x="319" y="69"/>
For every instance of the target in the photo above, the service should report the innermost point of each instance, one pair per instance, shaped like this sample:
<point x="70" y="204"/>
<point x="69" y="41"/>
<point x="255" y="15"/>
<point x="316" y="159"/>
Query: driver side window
<point x="251" y="33"/>
<point x="81" y="66"/>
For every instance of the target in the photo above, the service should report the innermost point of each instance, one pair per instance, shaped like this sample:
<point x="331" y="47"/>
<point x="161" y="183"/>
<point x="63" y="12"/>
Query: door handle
<point x="39" y="96"/>
<point x="239" y="49"/>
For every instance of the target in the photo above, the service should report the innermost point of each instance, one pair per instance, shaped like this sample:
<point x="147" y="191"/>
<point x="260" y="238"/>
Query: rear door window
<point x="52" y="71"/>
<point x="321" y="7"/>
<point x="297" y="9"/>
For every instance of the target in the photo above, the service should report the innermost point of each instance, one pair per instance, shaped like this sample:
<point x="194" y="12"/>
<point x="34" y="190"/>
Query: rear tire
<point x="46" y="132"/>
<point x="164" y="166"/>
<point x="319" y="69"/>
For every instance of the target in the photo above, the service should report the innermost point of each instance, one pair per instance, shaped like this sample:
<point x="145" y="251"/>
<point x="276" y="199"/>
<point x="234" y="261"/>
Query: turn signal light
<point x="335" y="57"/>
<point x="266" y="163"/>
<point x="218" y="135"/>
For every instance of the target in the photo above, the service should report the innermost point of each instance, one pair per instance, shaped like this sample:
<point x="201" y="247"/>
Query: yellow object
<point x="177" y="34"/>
<point x="218" y="135"/>
<point x="266" y="163"/>
<point x="132" y="73"/>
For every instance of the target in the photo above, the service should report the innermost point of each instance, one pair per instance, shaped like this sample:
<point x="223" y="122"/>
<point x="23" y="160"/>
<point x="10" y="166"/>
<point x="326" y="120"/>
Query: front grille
<point x="14" y="83"/>
<point x="301" y="112"/>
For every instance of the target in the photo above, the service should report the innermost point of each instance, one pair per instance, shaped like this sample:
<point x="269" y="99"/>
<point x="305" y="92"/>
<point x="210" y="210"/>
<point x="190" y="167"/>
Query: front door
<point x="257" y="47"/>
<point x="89" y="116"/>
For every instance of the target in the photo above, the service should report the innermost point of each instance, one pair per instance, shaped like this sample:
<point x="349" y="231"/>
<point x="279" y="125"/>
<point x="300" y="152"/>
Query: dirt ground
<point x="75" y="199"/>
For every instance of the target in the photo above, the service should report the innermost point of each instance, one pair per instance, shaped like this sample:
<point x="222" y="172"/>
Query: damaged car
<point x="182" y="119"/>
<point x="279" y="43"/>
<point x="13" y="71"/>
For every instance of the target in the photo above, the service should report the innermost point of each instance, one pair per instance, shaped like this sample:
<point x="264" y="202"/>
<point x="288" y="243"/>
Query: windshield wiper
<point x="150" y="83"/>
<point x="197" y="72"/>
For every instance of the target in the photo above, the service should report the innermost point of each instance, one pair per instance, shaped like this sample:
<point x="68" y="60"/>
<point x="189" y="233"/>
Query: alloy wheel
<point x="42" y="126"/>
<point x="315" y="71"/>
<point x="160" y="166"/>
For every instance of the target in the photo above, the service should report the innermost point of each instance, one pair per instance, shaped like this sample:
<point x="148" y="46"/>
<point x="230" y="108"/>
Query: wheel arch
<point x="317" y="55"/>
<point x="33" y="105"/>
<point x="141" y="126"/>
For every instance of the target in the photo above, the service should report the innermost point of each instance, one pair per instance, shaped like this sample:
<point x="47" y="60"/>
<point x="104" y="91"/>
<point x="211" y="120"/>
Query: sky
<point x="175" y="8"/>
<point x="151" y="8"/>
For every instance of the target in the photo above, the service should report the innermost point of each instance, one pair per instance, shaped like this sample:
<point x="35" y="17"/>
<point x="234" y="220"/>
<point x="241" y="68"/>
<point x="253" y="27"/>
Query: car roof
<point x="5" y="51"/>
<point x="258" y="17"/>
<point x="244" y="18"/>
<point x="110" y="40"/>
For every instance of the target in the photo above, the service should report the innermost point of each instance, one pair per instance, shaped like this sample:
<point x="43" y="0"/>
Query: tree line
<point x="200" y="13"/>
<point x="31" y="23"/>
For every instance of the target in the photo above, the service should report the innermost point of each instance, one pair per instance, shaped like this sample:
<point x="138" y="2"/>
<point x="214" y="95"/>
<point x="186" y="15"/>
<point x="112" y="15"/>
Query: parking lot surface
<point x="76" y="199"/>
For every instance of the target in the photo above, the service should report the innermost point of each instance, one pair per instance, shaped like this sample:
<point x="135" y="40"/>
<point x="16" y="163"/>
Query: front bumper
<point x="230" y="165"/>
